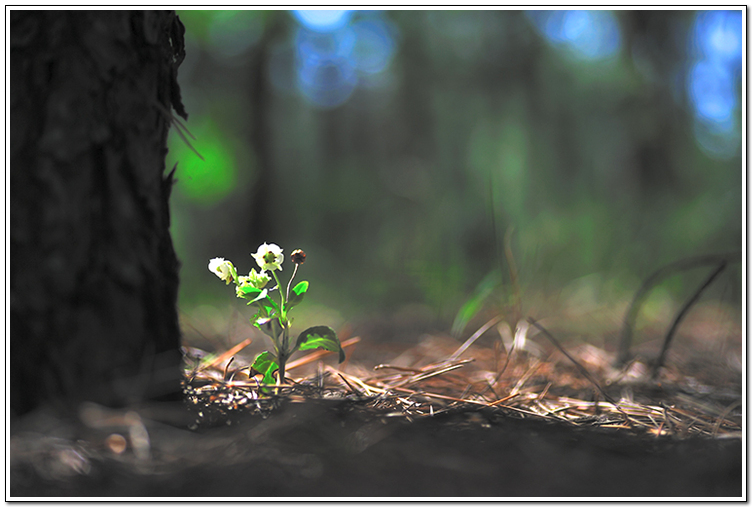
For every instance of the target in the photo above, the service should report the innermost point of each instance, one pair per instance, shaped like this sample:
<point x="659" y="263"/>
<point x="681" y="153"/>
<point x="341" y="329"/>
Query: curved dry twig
<point x="651" y="281"/>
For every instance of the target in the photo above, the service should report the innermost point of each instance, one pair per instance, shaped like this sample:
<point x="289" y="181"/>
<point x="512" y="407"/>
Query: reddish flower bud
<point x="298" y="256"/>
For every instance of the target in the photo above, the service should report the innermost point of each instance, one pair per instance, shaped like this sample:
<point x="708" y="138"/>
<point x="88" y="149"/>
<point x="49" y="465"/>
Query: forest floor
<point x="414" y="412"/>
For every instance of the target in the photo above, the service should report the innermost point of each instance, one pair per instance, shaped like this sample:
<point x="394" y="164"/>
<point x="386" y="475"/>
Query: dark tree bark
<point x="94" y="276"/>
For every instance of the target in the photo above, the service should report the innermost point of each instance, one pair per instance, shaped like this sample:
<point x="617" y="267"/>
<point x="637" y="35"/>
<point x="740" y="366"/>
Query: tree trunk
<point x="94" y="276"/>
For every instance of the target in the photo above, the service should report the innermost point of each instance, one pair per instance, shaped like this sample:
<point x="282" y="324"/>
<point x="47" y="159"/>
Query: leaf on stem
<point x="250" y="292"/>
<point x="258" y="298"/>
<point x="320" y="337"/>
<point x="296" y="296"/>
<point x="266" y="363"/>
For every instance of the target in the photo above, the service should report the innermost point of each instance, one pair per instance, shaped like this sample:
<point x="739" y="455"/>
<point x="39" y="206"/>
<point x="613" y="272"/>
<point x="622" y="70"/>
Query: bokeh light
<point x="590" y="35"/>
<point x="326" y="74"/>
<point x="334" y="50"/>
<point x="712" y="93"/>
<point x="374" y="45"/>
<point x="718" y="35"/>
<point x="713" y="81"/>
<point x="323" y="20"/>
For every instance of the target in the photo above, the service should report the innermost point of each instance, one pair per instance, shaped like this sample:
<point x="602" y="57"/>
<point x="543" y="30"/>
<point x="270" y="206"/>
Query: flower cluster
<point x="268" y="257"/>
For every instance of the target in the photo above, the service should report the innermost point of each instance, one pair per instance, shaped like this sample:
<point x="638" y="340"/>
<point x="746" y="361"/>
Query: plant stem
<point x="295" y="271"/>
<point x="282" y="348"/>
<point x="281" y="294"/>
<point x="281" y="370"/>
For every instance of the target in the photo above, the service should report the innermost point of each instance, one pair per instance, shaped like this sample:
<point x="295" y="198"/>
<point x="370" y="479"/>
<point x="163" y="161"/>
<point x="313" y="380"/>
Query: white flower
<point x="257" y="280"/>
<point x="269" y="257"/>
<point x="222" y="268"/>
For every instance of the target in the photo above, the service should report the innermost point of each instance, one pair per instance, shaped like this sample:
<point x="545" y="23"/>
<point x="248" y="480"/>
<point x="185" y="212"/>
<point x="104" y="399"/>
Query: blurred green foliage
<point x="209" y="180"/>
<point x="403" y="193"/>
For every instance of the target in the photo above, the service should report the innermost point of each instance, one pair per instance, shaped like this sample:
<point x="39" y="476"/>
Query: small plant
<point x="271" y="316"/>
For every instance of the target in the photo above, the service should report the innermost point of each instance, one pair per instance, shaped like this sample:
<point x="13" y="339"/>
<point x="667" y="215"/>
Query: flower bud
<point x="298" y="256"/>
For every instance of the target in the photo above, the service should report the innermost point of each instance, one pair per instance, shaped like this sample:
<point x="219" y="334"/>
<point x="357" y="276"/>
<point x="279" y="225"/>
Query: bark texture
<point x="94" y="276"/>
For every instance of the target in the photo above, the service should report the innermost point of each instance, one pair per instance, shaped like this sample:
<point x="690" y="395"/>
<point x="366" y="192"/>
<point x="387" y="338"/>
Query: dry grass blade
<point x="506" y="398"/>
<point x="398" y="368"/>
<point x="722" y="417"/>
<point x="582" y="369"/>
<point x="188" y="143"/>
<point x="367" y="388"/>
<point x="485" y="327"/>
<point x="431" y="371"/>
<point x="436" y="373"/>
<point x="440" y="396"/>
<point x="180" y="128"/>
<point x="352" y="389"/>
<point x="521" y="382"/>
<point x="227" y="354"/>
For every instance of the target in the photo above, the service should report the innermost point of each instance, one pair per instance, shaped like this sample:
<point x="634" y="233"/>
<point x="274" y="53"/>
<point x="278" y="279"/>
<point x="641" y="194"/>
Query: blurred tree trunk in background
<point x="94" y="276"/>
<point x="262" y="201"/>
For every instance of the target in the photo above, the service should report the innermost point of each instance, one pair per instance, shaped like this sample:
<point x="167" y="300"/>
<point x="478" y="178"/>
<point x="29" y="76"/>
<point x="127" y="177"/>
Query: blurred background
<point x="400" y="148"/>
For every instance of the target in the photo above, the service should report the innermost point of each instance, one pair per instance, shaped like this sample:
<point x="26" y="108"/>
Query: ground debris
<point x="547" y="385"/>
<point x="481" y="423"/>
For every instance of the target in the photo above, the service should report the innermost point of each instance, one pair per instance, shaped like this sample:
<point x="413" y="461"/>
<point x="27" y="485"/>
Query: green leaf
<point x="475" y="304"/>
<point x="296" y="296"/>
<point x="258" y="298"/>
<point x="250" y="292"/>
<point x="266" y="363"/>
<point x="320" y="337"/>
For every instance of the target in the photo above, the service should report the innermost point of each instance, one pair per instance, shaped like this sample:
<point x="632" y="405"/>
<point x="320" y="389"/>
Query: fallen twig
<point x="474" y="337"/>
<point x="653" y="280"/>
<point x="680" y="315"/>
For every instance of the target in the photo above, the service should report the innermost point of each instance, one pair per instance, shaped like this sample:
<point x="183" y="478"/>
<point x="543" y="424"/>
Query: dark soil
<point x="340" y="448"/>
<point x="327" y="449"/>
